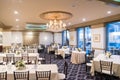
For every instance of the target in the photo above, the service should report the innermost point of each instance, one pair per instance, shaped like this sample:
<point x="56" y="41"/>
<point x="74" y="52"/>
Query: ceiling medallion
<point x="56" y="19"/>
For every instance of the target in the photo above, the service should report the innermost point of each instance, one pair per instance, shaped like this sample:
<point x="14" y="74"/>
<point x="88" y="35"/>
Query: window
<point x="84" y="39"/>
<point x="113" y="37"/>
<point x="65" y="38"/>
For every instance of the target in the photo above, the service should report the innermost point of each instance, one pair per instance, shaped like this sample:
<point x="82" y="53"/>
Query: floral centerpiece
<point x="108" y="54"/>
<point x="18" y="52"/>
<point x="79" y="49"/>
<point x="65" y="47"/>
<point x="20" y="65"/>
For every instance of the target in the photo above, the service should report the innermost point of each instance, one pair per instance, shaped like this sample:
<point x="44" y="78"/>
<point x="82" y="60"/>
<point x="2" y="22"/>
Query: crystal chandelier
<point x="56" y="19"/>
<point x="56" y="24"/>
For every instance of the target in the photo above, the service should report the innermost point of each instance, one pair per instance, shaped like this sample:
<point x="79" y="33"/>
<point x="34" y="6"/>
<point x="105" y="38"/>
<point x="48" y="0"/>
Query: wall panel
<point x="30" y="38"/>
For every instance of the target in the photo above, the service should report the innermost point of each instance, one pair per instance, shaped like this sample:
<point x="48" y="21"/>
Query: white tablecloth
<point x="31" y="50"/>
<point x="62" y="52"/>
<point x="32" y="69"/>
<point x="114" y="58"/>
<point x="78" y="57"/>
<point x="16" y="55"/>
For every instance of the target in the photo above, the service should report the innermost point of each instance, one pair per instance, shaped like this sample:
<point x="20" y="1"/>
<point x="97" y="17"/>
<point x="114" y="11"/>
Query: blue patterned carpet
<point x="75" y="71"/>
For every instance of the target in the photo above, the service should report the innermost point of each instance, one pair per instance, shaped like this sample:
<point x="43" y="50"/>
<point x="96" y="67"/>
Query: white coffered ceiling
<point x="29" y="11"/>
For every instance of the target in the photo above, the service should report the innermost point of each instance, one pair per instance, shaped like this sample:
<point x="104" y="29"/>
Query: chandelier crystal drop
<point x="56" y="24"/>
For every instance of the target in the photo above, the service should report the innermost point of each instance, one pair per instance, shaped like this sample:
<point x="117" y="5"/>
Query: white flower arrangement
<point x="108" y="54"/>
<point x="65" y="47"/>
<point x="79" y="49"/>
<point x="20" y="65"/>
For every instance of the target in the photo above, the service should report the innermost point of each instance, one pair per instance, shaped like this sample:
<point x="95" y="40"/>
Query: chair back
<point x="10" y="58"/>
<point x="65" y="69"/>
<point x="43" y="75"/>
<point x="32" y="59"/>
<point x="17" y="59"/>
<point x="25" y="57"/>
<point x="50" y="58"/>
<point x="5" y="59"/>
<point x="3" y="75"/>
<point x="106" y="66"/>
<point x="91" y="55"/>
<point x="21" y="75"/>
<point x="92" y="52"/>
<point x="43" y="58"/>
<point x="31" y="50"/>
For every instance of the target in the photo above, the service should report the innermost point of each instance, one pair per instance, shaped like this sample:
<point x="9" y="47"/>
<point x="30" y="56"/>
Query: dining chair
<point x="21" y="75"/>
<point x="3" y="75"/>
<point x="65" y="69"/>
<point x="25" y="57"/>
<point x="63" y="76"/>
<point x="32" y="59"/>
<point x="91" y="55"/>
<point x="4" y="60"/>
<point x="50" y="58"/>
<point x="9" y="55"/>
<point x="61" y="54"/>
<point x="43" y="75"/>
<point x="17" y="59"/>
<point x="89" y="59"/>
<point x="88" y="63"/>
<point x="42" y="59"/>
<point x="31" y="51"/>
<point x="10" y="58"/>
<point x="106" y="69"/>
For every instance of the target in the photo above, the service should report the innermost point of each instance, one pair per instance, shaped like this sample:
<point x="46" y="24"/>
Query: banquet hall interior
<point x="59" y="39"/>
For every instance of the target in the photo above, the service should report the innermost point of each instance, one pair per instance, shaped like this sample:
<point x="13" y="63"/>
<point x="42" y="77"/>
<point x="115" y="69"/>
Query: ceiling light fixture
<point x="69" y="23"/>
<point x="56" y="19"/>
<point x="109" y="12"/>
<point x="15" y="12"/>
<point x="17" y="20"/>
<point x="84" y="19"/>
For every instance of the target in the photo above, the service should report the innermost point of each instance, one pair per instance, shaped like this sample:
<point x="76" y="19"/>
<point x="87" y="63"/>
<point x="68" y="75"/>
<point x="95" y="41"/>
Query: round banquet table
<point x="78" y="57"/>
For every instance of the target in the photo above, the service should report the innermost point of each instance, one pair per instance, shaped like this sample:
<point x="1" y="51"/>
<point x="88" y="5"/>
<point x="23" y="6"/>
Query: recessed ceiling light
<point x="17" y="20"/>
<point x="84" y="19"/>
<point x="109" y="12"/>
<point x="15" y="12"/>
<point x="69" y="23"/>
